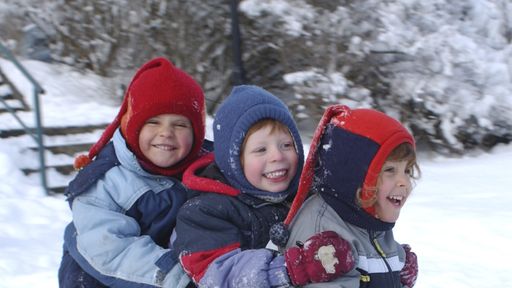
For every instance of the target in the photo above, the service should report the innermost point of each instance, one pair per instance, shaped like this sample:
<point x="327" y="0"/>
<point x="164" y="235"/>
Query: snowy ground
<point x="459" y="220"/>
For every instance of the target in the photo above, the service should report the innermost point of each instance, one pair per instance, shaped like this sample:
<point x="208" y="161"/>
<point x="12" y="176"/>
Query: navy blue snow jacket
<point x="219" y="234"/>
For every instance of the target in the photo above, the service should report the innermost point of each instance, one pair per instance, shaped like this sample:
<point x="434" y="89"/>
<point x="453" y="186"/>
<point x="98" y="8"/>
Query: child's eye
<point x="259" y="150"/>
<point x="409" y="171"/>
<point x="181" y="125"/>
<point x="152" y="121"/>
<point x="287" y="145"/>
<point x="389" y="169"/>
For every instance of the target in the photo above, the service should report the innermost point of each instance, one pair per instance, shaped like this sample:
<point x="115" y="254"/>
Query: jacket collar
<point x="205" y="176"/>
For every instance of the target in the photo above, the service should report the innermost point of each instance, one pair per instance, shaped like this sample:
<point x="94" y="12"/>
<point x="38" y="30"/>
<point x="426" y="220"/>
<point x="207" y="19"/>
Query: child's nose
<point x="166" y="131"/>
<point x="403" y="180"/>
<point x="276" y="154"/>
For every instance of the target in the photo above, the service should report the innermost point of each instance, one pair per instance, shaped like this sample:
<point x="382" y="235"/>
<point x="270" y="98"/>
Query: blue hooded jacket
<point x="221" y="233"/>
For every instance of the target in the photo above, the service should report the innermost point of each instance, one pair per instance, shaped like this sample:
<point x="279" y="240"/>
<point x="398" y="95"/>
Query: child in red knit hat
<point x="126" y="196"/>
<point x="359" y="170"/>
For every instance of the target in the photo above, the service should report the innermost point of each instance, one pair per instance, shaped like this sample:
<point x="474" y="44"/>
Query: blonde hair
<point x="402" y="152"/>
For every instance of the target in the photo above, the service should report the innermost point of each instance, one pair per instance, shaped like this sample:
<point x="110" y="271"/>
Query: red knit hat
<point x="157" y="88"/>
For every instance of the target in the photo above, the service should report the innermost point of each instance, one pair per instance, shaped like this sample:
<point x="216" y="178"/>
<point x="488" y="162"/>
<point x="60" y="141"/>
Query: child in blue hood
<point x="248" y="184"/>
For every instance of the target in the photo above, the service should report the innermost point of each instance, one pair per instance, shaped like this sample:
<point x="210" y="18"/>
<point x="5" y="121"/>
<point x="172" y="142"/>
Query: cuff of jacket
<point x="176" y="278"/>
<point x="165" y="263"/>
<point x="277" y="273"/>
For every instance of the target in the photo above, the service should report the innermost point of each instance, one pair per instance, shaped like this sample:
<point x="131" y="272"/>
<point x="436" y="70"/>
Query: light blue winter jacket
<point x="123" y="220"/>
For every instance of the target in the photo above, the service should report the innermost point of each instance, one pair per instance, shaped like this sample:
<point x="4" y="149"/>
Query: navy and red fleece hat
<point x="347" y="152"/>
<point x="157" y="88"/>
<point x="245" y="106"/>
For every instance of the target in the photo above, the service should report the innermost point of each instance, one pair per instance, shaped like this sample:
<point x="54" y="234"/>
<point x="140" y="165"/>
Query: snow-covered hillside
<point x="458" y="221"/>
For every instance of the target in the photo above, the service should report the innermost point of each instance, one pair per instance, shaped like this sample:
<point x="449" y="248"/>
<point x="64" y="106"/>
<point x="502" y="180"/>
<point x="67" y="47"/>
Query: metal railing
<point x="38" y="135"/>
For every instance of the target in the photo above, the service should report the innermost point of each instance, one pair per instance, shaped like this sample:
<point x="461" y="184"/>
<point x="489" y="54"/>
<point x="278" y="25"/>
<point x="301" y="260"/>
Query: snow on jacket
<point x="219" y="234"/>
<point x="382" y="268"/>
<point x="122" y="219"/>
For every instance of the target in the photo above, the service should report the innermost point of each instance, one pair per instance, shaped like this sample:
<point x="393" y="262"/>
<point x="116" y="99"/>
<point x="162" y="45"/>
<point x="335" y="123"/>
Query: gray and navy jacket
<point x="221" y="234"/>
<point x="379" y="257"/>
<point x="342" y="160"/>
<point x="122" y="219"/>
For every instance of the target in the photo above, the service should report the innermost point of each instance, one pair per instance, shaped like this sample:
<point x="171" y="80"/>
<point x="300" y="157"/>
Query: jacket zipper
<point x="379" y="250"/>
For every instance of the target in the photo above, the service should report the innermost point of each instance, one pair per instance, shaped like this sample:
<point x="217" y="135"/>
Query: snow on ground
<point x="458" y="220"/>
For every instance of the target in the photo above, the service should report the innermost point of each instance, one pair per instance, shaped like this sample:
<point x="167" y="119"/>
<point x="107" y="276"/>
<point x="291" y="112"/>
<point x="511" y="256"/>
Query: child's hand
<point x="323" y="257"/>
<point x="409" y="273"/>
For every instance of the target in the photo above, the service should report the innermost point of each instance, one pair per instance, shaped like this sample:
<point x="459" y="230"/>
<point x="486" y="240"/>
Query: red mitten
<point x="409" y="273"/>
<point x="323" y="257"/>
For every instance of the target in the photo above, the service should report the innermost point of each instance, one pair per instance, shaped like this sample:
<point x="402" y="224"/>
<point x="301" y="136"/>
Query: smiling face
<point x="393" y="188"/>
<point x="269" y="158"/>
<point x="166" y="139"/>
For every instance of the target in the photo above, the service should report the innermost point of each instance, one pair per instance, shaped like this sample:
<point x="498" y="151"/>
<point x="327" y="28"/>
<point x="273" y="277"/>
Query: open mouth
<point x="276" y="174"/>
<point x="396" y="200"/>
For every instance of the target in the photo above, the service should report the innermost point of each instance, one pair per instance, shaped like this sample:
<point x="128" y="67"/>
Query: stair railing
<point x="38" y="135"/>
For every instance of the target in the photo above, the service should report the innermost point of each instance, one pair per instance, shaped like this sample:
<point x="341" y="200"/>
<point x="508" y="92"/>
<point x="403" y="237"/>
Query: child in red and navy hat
<point x="359" y="169"/>
<point x="126" y="196"/>
<point x="247" y="185"/>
